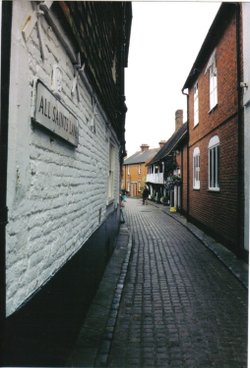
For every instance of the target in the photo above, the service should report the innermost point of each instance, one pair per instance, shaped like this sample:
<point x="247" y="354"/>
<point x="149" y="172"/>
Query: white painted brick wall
<point x="55" y="191"/>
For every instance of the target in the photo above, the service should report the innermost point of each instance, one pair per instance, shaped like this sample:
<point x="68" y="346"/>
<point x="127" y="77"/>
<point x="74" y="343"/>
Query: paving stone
<point x="168" y="301"/>
<point x="181" y="306"/>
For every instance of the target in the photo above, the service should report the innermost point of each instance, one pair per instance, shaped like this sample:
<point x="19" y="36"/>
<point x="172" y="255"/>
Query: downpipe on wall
<point x="187" y="96"/>
<point x="240" y="89"/>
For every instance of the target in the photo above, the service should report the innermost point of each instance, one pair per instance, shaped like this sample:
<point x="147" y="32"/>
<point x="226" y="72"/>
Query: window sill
<point x="213" y="109"/>
<point x="214" y="190"/>
<point x="196" y="189"/>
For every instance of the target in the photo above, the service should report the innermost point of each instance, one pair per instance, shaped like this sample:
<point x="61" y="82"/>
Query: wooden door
<point x="133" y="190"/>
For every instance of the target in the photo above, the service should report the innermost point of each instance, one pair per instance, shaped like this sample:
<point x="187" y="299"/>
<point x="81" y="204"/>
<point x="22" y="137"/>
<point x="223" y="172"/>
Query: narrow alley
<point x="180" y="306"/>
<point x="105" y="103"/>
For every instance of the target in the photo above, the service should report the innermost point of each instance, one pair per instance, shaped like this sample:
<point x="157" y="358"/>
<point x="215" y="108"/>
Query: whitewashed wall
<point x="246" y="101"/>
<point x="55" y="191"/>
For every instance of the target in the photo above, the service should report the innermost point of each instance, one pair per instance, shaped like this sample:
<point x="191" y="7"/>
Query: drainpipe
<point x="6" y="22"/>
<point x="181" y="188"/>
<point x="240" y="201"/>
<point x="188" y="186"/>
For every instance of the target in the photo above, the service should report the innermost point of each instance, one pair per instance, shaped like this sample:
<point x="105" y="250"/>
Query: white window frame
<point x="196" y="104"/>
<point x="196" y="168"/>
<point x="128" y="170"/>
<point x="139" y="169"/>
<point x="214" y="163"/>
<point x="213" y="93"/>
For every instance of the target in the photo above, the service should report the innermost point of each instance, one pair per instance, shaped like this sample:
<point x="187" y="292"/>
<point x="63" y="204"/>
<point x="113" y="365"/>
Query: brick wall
<point x="217" y="211"/>
<point x="227" y="88"/>
<point x="57" y="194"/>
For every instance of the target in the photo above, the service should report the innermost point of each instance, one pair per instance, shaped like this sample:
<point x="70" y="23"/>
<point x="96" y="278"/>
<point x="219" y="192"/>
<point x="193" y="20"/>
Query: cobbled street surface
<point x="181" y="307"/>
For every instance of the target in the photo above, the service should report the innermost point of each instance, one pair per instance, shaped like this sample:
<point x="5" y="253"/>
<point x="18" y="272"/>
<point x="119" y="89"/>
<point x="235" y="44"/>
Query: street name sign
<point x="51" y="113"/>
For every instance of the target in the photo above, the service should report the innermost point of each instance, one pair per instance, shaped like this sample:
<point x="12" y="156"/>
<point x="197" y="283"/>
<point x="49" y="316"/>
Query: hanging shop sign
<point x="51" y="113"/>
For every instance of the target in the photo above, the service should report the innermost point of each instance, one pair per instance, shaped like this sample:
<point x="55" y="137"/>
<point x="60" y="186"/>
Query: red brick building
<point x="215" y="185"/>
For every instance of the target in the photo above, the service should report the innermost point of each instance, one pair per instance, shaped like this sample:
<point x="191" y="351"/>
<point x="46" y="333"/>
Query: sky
<point x="165" y="40"/>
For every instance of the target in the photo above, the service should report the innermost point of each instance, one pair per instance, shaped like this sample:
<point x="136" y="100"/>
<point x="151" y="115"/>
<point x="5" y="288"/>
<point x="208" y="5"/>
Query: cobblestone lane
<point x="181" y="307"/>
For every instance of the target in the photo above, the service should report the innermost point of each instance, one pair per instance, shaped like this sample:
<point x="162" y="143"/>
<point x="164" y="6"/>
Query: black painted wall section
<point x="42" y="332"/>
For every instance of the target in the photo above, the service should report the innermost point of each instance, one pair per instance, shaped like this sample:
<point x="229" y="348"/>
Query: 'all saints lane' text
<point x="51" y="112"/>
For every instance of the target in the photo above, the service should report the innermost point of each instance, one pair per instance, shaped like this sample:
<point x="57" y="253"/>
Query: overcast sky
<point x="165" y="40"/>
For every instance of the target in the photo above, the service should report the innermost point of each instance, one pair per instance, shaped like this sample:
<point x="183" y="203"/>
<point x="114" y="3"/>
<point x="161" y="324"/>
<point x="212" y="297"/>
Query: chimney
<point x="144" y="147"/>
<point x="161" y="143"/>
<point x="178" y="119"/>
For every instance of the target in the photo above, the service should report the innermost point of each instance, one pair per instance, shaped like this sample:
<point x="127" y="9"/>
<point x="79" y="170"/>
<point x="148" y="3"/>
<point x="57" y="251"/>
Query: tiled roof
<point x="100" y="31"/>
<point x="170" y="144"/>
<point x="141" y="156"/>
